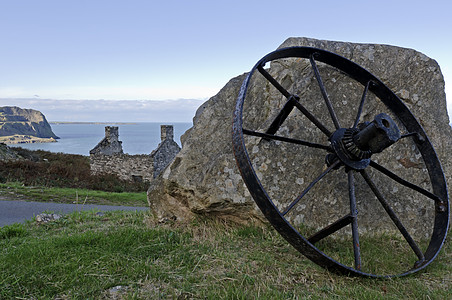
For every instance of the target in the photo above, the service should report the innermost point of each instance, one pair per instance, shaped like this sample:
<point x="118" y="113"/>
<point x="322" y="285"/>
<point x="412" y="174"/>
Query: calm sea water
<point x="137" y="138"/>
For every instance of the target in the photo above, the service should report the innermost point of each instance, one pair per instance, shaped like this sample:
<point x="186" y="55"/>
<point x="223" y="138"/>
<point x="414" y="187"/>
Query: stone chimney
<point x="112" y="133"/>
<point x="110" y="143"/>
<point x="166" y="150"/>
<point x="167" y="132"/>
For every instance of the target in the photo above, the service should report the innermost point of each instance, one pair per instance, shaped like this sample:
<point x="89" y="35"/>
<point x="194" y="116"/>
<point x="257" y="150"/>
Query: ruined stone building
<point x="108" y="156"/>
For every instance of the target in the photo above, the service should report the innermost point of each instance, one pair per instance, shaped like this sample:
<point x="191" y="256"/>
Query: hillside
<point x="19" y="125"/>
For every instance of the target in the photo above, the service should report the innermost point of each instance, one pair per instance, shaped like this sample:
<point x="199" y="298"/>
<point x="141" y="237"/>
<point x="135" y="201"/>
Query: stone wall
<point x="126" y="166"/>
<point x="108" y="156"/>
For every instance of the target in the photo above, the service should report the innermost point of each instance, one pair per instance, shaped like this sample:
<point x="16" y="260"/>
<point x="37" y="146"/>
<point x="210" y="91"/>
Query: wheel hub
<point x="355" y="146"/>
<point x="352" y="147"/>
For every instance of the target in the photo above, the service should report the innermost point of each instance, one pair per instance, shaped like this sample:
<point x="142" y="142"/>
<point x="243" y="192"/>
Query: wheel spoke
<point x="361" y="104"/>
<point x="287" y="108"/>
<point x="282" y="116"/>
<point x="393" y="215"/>
<point x="273" y="81"/>
<point x="282" y="216"/>
<point x="293" y="100"/>
<point x="354" y="215"/>
<point x="324" y="93"/>
<point x="404" y="182"/>
<point x="417" y="137"/>
<point x="333" y="165"/>
<point x="313" y="119"/>
<point x="330" y="229"/>
<point x="285" y="139"/>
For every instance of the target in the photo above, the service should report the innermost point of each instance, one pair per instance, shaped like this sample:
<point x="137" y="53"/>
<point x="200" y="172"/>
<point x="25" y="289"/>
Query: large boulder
<point x="204" y="178"/>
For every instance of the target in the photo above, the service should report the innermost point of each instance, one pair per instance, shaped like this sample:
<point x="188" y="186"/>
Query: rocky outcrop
<point x="6" y="153"/>
<point x="204" y="178"/>
<point x="18" y="122"/>
<point x="24" y="139"/>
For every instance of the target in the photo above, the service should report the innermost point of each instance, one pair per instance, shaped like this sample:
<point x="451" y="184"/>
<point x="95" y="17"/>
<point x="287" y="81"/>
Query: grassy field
<point x="129" y="255"/>
<point x="124" y="255"/>
<point x="18" y="191"/>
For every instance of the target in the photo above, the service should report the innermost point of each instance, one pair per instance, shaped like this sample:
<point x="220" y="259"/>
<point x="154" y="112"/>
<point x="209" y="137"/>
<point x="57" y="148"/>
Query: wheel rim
<point x="277" y="217"/>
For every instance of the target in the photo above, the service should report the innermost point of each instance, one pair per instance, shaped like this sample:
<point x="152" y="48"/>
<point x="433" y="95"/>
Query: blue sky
<point x="53" y="50"/>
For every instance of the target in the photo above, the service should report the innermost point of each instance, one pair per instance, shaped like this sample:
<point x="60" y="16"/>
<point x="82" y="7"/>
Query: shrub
<point x="49" y="169"/>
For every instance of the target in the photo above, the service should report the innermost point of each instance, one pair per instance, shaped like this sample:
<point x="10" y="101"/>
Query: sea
<point x="80" y="138"/>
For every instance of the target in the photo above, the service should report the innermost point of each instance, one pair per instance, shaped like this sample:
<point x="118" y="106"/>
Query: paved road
<point x="19" y="211"/>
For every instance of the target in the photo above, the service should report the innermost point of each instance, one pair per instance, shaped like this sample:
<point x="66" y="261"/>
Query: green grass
<point x="16" y="190"/>
<point x="374" y="260"/>
<point x="85" y="255"/>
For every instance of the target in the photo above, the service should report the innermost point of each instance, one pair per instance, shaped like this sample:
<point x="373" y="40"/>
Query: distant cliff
<point x="19" y="125"/>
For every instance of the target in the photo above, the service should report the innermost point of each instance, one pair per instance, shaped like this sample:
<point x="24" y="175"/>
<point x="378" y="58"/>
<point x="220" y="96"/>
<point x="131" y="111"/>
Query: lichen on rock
<point x="204" y="178"/>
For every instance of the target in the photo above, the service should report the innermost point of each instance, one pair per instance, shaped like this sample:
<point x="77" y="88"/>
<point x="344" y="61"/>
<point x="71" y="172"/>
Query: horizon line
<point x="54" y="99"/>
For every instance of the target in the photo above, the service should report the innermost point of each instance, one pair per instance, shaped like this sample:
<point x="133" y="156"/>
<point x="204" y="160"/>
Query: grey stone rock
<point x="6" y="153"/>
<point x="204" y="178"/>
<point x="45" y="218"/>
<point x="116" y="292"/>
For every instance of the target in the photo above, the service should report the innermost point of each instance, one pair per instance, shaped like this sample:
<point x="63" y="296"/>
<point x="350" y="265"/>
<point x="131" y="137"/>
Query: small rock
<point x="116" y="292"/>
<point x="117" y="288"/>
<point x="45" y="218"/>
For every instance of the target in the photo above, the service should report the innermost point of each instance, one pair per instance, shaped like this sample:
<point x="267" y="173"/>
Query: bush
<point x="49" y="169"/>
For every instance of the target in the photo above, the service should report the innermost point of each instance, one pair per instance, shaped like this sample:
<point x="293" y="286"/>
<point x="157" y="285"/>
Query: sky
<point x="159" y="60"/>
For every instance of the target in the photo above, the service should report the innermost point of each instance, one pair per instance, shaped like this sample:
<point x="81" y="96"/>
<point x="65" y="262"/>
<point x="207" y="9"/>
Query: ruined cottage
<point x="108" y="156"/>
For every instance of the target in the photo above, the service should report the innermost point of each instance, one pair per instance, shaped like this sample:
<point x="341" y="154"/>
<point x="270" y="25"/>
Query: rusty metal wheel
<point x="348" y="152"/>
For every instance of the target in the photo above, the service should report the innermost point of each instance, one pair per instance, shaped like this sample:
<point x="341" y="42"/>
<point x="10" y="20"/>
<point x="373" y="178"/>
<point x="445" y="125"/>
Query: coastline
<point x="140" y="138"/>
<point x="24" y="139"/>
